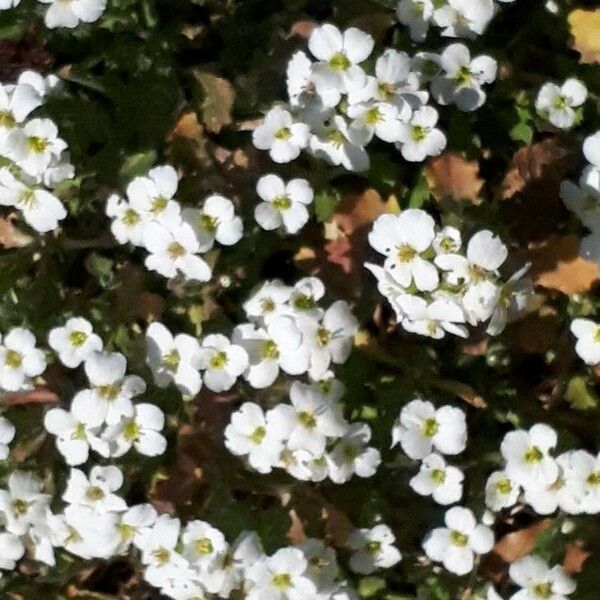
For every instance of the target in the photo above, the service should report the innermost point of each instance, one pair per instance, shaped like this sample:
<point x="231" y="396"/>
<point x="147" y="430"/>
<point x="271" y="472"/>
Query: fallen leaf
<point x="575" y="557"/>
<point x="10" y="236"/>
<point x="216" y="100"/>
<point x="452" y="177"/>
<point x="295" y="533"/>
<point x="35" y="396"/>
<point x="462" y="390"/>
<point x="303" y="29"/>
<point x="585" y="29"/>
<point x="518" y="544"/>
<point x="557" y="265"/>
<point x="187" y="141"/>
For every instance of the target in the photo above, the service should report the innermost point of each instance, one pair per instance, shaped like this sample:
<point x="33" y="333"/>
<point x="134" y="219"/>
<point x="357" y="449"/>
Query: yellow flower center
<point x="418" y="133"/>
<point x="543" y="590"/>
<point x="13" y="359"/>
<point x="282" y="202"/>
<point x="304" y="302"/>
<point x="459" y="539"/>
<point x="175" y="250"/>
<point x="533" y="455"/>
<point x="77" y="338"/>
<point x="504" y="486"/>
<point x="126" y="532"/>
<point x="130" y="217"/>
<point x="258" y="435"/>
<point x="307" y="419"/>
<point x="323" y="336"/>
<point x="438" y="476"/>
<point x="78" y="432"/>
<point x="336" y="138"/>
<point x="463" y="76"/>
<point x="19" y="507"/>
<point x="430" y="427"/>
<point x="560" y="103"/>
<point x="158" y="204"/>
<point x="204" y="546"/>
<point x="171" y="360"/>
<point x="386" y="91"/>
<point x="339" y="62"/>
<point x="218" y="360"/>
<point x="269" y="349"/>
<point x="37" y="145"/>
<point x="282" y="581"/>
<point x="267" y="305"/>
<point x="285" y="133"/>
<point x="373" y="547"/>
<point x="94" y="493"/>
<point x="161" y="556"/>
<point x="27" y="198"/>
<point x="131" y="431"/>
<point x="208" y="223"/>
<point x="405" y="253"/>
<point x="373" y="116"/>
<point x="109" y="391"/>
<point x="594" y="478"/>
<point x="6" y="119"/>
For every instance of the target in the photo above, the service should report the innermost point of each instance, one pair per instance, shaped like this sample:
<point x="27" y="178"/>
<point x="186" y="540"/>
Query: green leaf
<point x="325" y="204"/>
<point x="101" y="268"/>
<point x="522" y="132"/>
<point x="215" y="97"/>
<point x="579" y="395"/>
<point x="137" y="164"/>
<point x="419" y="194"/>
<point x="369" y="586"/>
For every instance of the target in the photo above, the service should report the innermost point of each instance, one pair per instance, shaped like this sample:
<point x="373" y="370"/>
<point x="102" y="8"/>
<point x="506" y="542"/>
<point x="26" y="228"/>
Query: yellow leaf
<point x="585" y="29"/>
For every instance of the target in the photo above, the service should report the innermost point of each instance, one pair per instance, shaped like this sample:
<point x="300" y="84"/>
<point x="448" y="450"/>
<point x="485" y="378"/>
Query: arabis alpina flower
<point x="464" y="18"/>
<point x="432" y="319"/>
<point x="216" y="220"/>
<point x="419" y="138"/>
<point x="76" y="430"/>
<point x="97" y="490"/>
<point x="281" y="135"/>
<point x="587" y="333"/>
<point x="132" y="523"/>
<point x="172" y="248"/>
<point x="281" y="577"/>
<point x="70" y="14"/>
<point x="322" y="566"/>
<point x="20" y="360"/>
<point x="111" y="390"/>
<point x="584" y="199"/>
<point x="462" y="79"/>
<point x="500" y="491"/>
<point x="127" y="223"/>
<point x="152" y="196"/>
<point x="456" y="544"/>
<point x="420" y="428"/>
<point x="284" y="205"/>
<point x="437" y="479"/>
<point x="268" y="300"/>
<point x="339" y="55"/>
<point x="23" y="504"/>
<point x="528" y="461"/>
<point x="309" y="421"/>
<point x="74" y="342"/>
<point x="416" y="15"/>
<point x="558" y="104"/>
<point x="591" y="149"/>
<point x="202" y="544"/>
<point x="583" y="470"/>
<point x="403" y="239"/>
<point x="304" y="297"/>
<point x="351" y="455"/>
<point x="538" y="580"/>
<point x="373" y="549"/>
<point x="173" y="359"/>
<point x="7" y="434"/>
<point x="11" y="550"/>
<point x="447" y="241"/>
<point x="222" y="362"/>
<point x="140" y="430"/>
<point x="251" y="434"/>
<point x="41" y="209"/>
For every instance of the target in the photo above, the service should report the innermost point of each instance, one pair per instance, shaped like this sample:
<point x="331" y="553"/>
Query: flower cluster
<point x="558" y="104"/>
<point x="65" y="14"/>
<point x="151" y="217"/>
<point x="33" y="158"/>
<point x="456" y="18"/>
<point x="584" y="198"/>
<point x="425" y="433"/>
<point x="309" y="438"/>
<point x="20" y="360"/>
<point x="434" y="286"/>
<point x="104" y="416"/>
<point x="373" y="549"/>
<point x="571" y="481"/>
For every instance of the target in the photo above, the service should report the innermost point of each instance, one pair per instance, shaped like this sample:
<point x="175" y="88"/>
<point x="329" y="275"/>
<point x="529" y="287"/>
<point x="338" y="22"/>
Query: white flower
<point x="456" y="544"/>
<point x="584" y="199"/>
<point x="380" y="119"/>
<point x="281" y="135"/>
<point x="437" y="479"/>
<point x="23" y="504"/>
<point x="540" y="581"/>
<point x="419" y="138"/>
<point x="339" y="55"/>
<point x="591" y="149"/>
<point x="587" y="333"/>
<point x="322" y="566"/>
<point x="351" y="455"/>
<point x="464" y="18"/>
<point x="127" y="223"/>
<point x="141" y="430"/>
<point x="268" y="300"/>
<point x="74" y="342"/>
<point x="20" y="360"/>
<point x="404" y="239"/>
<point x="557" y="104"/>
<point x="41" y="209"/>
<point x="133" y="523"/>
<point x="7" y="434"/>
<point x="34" y="146"/>
<point x="330" y="340"/>
<point x="462" y="80"/>
<point x="500" y="491"/>
<point x="251" y="434"/>
<point x="340" y="145"/>
<point x="76" y="430"/>
<point x="112" y="390"/>
<point x="304" y="297"/>
<point x="447" y="241"/>
<point x="284" y="205"/>
<point x="280" y="577"/>
<point x="583" y="472"/>
<point x="527" y="455"/>
<point x="173" y="247"/>
<point x="277" y="346"/>
<point x="202" y="544"/>
<point x="222" y="361"/>
<point x="70" y="13"/>
<point x="216" y="220"/>
<point x="16" y="102"/>
<point x="309" y="421"/>
<point x="11" y="550"/>
<point x="434" y="319"/>
<point x="152" y="196"/>
<point x="97" y="490"/>
<point x="173" y="359"/>
<point x="373" y="549"/>
<point x="420" y="428"/>
<point x="416" y="15"/>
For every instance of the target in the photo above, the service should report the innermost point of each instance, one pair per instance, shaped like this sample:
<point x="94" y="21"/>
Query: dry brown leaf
<point x="217" y="100"/>
<point x="10" y="236"/>
<point x="303" y="29"/>
<point x="295" y="533"/>
<point x="585" y="29"/>
<point x="462" y="390"/>
<point x="575" y="557"/>
<point x="518" y="544"/>
<point x="452" y="177"/>
<point x="556" y="265"/>
<point x="35" y="396"/>
<point x="358" y="209"/>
